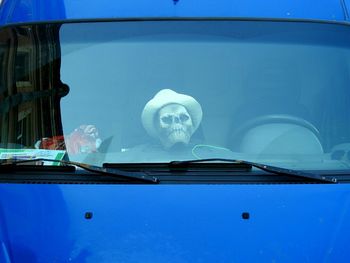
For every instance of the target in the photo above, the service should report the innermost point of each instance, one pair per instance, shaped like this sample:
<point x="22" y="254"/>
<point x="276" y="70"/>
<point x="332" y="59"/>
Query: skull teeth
<point x="177" y="130"/>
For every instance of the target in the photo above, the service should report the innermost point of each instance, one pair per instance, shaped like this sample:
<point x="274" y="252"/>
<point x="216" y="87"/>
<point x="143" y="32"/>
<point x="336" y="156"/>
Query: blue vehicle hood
<point x="13" y="11"/>
<point x="174" y="223"/>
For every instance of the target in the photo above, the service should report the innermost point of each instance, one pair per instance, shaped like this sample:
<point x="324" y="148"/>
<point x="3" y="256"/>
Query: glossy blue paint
<point x="13" y="11"/>
<point x="176" y="223"/>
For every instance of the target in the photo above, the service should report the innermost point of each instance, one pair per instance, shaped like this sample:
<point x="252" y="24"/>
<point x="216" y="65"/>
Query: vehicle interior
<point x="267" y="91"/>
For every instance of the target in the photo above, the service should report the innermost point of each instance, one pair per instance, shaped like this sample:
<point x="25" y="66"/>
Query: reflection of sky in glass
<point x="234" y="82"/>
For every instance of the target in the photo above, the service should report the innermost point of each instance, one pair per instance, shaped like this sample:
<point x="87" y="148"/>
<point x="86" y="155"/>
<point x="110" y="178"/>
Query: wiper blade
<point x="132" y="176"/>
<point x="174" y="167"/>
<point x="267" y="168"/>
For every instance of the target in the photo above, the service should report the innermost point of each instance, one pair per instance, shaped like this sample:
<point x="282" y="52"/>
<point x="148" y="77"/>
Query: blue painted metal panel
<point x="41" y="10"/>
<point x="177" y="223"/>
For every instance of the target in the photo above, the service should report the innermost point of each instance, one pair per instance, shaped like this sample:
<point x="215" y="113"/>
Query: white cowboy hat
<point x="163" y="98"/>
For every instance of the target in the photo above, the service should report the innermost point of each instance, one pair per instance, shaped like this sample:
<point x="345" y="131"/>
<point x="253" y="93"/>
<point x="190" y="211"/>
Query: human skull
<point x="174" y="125"/>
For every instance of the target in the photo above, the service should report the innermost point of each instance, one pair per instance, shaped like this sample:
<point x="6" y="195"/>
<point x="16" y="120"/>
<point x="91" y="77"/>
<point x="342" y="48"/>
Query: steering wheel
<point x="237" y="135"/>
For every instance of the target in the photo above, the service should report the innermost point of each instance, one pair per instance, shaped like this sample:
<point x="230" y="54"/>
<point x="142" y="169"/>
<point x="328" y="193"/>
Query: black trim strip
<point x="155" y="19"/>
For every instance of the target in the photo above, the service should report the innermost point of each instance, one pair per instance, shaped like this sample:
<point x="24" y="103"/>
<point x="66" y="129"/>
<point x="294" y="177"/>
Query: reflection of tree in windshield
<point x="31" y="109"/>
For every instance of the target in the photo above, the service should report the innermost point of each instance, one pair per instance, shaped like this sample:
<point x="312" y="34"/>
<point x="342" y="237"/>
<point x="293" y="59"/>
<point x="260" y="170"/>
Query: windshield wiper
<point x="132" y="176"/>
<point x="267" y="168"/>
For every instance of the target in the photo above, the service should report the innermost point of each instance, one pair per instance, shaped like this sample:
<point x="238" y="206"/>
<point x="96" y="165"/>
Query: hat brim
<point x="166" y="97"/>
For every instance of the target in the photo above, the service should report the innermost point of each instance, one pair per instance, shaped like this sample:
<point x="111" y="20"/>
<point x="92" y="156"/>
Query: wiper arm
<point x="264" y="167"/>
<point x="133" y="176"/>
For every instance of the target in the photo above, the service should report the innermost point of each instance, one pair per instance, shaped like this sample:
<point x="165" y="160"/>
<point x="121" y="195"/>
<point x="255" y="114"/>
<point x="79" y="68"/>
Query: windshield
<point x="159" y="91"/>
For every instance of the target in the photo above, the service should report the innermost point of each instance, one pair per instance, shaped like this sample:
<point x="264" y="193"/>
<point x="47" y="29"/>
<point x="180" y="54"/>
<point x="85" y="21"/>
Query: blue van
<point x="174" y="131"/>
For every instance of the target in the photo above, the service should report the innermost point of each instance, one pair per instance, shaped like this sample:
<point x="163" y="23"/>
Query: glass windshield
<point x="158" y="91"/>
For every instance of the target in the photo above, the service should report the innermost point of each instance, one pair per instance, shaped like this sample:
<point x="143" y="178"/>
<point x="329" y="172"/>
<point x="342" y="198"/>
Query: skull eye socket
<point x="184" y="117"/>
<point x="167" y="119"/>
